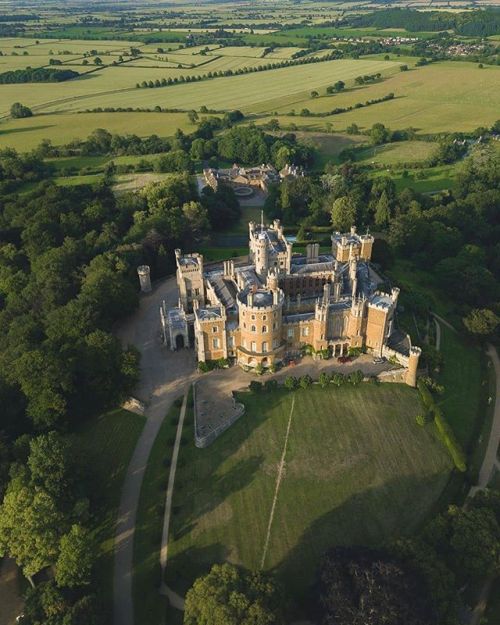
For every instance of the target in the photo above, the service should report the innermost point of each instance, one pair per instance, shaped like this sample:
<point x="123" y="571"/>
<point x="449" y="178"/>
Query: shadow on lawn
<point x="360" y="520"/>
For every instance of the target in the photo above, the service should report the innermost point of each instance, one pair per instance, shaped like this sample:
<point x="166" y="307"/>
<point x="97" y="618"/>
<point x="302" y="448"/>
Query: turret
<point x="144" y="274"/>
<point x="411" y="374"/>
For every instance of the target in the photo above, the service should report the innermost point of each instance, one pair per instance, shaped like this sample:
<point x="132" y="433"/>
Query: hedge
<point x="445" y="432"/>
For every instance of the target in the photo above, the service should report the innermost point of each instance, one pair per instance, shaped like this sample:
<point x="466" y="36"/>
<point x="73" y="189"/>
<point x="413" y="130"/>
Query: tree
<point x="383" y="211"/>
<point x="403" y="68"/>
<point x="314" y="94"/>
<point x="379" y="134"/>
<point x="338" y="379"/>
<point x="291" y="383"/>
<point x="361" y="586"/>
<point x="48" y="463"/>
<point x="482" y="321"/>
<point x="97" y="61"/>
<point x="324" y="379"/>
<point x="343" y="213"/>
<point x="30" y="526"/>
<point x="231" y="596"/>
<point x="76" y="558"/>
<point x="356" y="377"/>
<point x="19" y="111"/>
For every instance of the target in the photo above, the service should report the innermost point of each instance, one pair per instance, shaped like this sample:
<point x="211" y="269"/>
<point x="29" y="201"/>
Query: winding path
<point x="164" y="377"/>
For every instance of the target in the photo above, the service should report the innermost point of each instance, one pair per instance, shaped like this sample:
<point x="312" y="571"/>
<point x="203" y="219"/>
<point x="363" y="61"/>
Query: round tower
<point x="260" y="252"/>
<point x="411" y="374"/>
<point x="144" y="273"/>
<point x="260" y="321"/>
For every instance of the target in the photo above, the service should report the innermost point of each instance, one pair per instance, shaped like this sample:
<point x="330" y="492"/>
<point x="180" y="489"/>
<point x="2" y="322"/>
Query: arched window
<point x="264" y="347"/>
<point x="264" y="328"/>
<point x="253" y="329"/>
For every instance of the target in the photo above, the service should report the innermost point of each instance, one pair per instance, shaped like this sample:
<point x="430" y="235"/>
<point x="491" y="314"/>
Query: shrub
<point x="255" y="386"/>
<point x="324" y="380"/>
<point x="338" y="379"/>
<point x="291" y="383"/>
<point x="305" y="381"/>
<point x="259" y="369"/>
<point x="356" y="377"/>
<point x="448" y="438"/>
<point x="421" y="420"/>
<point x="271" y="385"/>
<point x="203" y="367"/>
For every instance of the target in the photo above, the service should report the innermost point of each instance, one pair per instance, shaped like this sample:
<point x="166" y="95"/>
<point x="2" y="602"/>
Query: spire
<point x="261" y="220"/>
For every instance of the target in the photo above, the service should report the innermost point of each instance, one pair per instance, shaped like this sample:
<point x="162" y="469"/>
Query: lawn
<point x="425" y="180"/>
<point x="395" y="153"/>
<point x="103" y="448"/>
<point x="149" y="605"/>
<point x="466" y="384"/>
<point x="358" y="470"/>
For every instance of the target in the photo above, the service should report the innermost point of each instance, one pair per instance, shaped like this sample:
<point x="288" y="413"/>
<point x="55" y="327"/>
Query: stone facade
<point x="259" y="313"/>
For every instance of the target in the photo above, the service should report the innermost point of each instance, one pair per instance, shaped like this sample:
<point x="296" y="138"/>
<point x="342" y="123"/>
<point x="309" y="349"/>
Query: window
<point x="291" y="333"/>
<point x="264" y="347"/>
<point x="252" y="329"/>
<point x="215" y="329"/>
<point x="253" y="346"/>
<point x="264" y="317"/>
<point x="230" y="341"/>
<point x="275" y="343"/>
<point x="253" y="317"/>
<point x="215" y="343"/>
<point x="264" y="328"/>
<point x="274" y="325"/>
<point x="305" y="331"/>
<point x="197" y="291"/>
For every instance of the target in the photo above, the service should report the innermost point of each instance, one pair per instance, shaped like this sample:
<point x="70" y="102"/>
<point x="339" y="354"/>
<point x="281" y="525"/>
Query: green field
<point x="26" y="134"/>
<point x="115" y="86"/>
<point x="103" y="448"/>
<point x="358" y="470"/>
<point x="443" y="97"/>
<point x="149" y="605"/>
<point x="394" y="153"/>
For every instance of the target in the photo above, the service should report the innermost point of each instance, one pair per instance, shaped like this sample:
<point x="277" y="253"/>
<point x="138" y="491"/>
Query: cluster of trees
<point x="45" y="527"/>
<point x="17" y="168"/>
<point x="471" y="23"/>
<point x="305" y="112"/>
<point x="19" y="111"/>
<point x="40" y="74"/>
<point x="368" y="78"/>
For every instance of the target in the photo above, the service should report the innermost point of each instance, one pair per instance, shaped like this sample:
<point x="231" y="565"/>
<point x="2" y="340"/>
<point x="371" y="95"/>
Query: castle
<point x="260" y="312"/>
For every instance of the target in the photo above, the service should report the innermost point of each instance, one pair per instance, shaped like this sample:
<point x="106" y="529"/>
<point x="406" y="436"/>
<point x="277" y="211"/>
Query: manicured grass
<point x="103" y="448"/>
<point x="466" y="384"/>
<point x="394" y="153"/>
<point x="149" y="605"/>
<point x="358" y="470"/>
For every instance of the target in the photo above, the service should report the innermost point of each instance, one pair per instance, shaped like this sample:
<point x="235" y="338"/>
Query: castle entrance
<point x="179" y="342"/>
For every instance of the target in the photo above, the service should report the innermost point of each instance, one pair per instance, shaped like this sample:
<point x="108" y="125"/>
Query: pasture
<point x="353" y="453"/>
<point x="442" y="97"/>
<point x="250" y="92"/>
<point x="26" y="134"/>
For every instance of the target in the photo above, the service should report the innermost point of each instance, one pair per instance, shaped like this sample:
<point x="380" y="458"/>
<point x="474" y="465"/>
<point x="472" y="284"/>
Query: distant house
<point x="260" y="177"/>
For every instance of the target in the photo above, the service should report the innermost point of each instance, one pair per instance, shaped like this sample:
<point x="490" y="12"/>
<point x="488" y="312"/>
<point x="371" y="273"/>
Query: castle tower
<point x="411" y="374"/>
<point x="190" y="279"/>
<point x="260" y="322"/>
<point x="366" y="246"/>
<point x="144" y="273"/>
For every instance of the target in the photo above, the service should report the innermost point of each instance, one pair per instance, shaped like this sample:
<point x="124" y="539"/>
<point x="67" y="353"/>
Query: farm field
<point x="26" y="134"/>
<point x="353" y="453"/>
<point x="247" y="92"/>
<point x="435" y="98"/>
